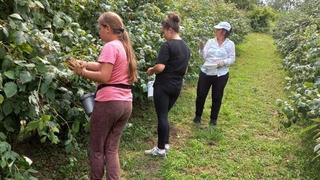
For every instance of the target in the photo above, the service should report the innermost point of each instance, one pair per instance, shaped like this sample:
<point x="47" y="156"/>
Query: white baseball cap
<point x="223" y="25"/>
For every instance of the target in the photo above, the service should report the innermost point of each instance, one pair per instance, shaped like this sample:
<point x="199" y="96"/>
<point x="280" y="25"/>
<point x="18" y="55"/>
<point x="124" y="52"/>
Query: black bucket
<point x="87" y="101"/>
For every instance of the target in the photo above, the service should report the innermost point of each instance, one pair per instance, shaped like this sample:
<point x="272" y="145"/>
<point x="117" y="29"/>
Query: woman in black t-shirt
<point x="171" y="65"/>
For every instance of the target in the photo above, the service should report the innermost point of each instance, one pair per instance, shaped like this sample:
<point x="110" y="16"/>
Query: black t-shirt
<point x="175" y="55"/>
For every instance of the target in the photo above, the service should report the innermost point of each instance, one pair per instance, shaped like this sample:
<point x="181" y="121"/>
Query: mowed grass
<point x="248" y="143"/>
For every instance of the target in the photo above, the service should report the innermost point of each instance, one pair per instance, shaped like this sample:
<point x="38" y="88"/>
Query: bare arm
<point x="156" y="69"/>
<point x="93" y="66"/>
<point x="102" y="75"/>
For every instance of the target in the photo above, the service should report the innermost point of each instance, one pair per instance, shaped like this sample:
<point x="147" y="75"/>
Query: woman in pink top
<point x="115" y="72"/>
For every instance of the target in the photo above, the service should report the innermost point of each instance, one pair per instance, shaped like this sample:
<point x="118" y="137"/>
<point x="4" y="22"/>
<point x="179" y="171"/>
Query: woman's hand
<point x="78" y="70"/>
<point x="221" y="63"/>
<point x="150" y="71"/>
<point x="76" y="66"/>
<point x="83" y="64"/>
<point x="156" y="69"/>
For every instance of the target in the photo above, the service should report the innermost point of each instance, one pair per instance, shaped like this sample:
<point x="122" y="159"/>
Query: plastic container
<point x="150" y="89"/>
<point x="87" y="101"/>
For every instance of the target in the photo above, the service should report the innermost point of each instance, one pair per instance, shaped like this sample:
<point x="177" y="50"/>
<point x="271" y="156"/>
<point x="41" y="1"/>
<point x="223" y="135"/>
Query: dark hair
<point x="172" y="21"/>
<point x="227" y="33"/>
<point x="114" y="21"/>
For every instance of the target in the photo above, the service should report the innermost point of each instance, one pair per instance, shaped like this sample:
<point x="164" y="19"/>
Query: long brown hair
<point x="115" y="22"/>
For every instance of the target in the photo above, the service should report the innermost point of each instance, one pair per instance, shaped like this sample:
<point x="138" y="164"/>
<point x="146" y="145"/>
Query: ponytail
<point x="125" y="39"/>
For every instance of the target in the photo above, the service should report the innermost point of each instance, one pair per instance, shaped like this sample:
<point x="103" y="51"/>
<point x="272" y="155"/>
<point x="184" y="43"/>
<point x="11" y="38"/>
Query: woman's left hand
<point x="150" y="71"/>
<point x="76" y="67"/>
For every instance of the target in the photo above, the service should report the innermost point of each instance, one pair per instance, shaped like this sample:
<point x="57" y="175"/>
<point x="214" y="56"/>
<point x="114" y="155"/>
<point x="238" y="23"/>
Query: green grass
<point x="249" y="142"/>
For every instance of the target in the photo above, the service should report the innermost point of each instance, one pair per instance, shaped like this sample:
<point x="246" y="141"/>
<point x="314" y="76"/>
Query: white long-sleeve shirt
<point x="213" y="53"/>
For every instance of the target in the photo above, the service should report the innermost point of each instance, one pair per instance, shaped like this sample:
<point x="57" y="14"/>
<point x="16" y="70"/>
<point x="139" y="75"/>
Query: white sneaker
<point x="156" y="152"/>
<point x="167" y="147"/>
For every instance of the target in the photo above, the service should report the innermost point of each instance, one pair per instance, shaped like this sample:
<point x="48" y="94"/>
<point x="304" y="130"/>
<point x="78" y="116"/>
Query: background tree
<point x="283" y="5"/>
<point x="244" y="4"/>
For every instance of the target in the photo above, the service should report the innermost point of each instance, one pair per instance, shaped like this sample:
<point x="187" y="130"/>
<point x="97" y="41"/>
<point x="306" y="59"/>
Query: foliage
<point x="39" y="96"/>
<point x="260" y="18"/>
<point x="298" y="39"/>
<point x="244" y="4"/>
<point x="283" y="5"/>
<point x="12" y="165"/>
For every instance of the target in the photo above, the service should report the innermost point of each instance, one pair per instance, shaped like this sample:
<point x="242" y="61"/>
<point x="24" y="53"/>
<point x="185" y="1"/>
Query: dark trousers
<point x="164" y="99"/>
<point x="204" y="83"/>
<point x="107" y="122"/>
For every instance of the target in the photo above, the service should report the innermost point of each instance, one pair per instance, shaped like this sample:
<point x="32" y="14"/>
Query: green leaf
<point x="5" y="31"/>
<point x="9" y="124"/>
<point x="76" y="126"/>
<point x="25" y="77"/>
<point x="10" y="74"/>
<point x="20" y="37"/>
<point x="7" y="62"/>
<point x="38" y="3"/>
<point x="22" y="87"/>
<point x="3" y="164"/>
<point x="58" y="22"/>
<point x="1" y="99"/>
<point x="45" y="118"/>
<point x="32" y="171"/>
<point x="7" y="108"/>
<point x="3" y="137"/>
<point x="43" y="139"/>
<point x="10" y="89"/>
<point x="44" y="88"/>
<point x="16" y="16"/>
<point x="30" y="65"/>
<point x="308" y="84"/>
<point x="32" y="125"/>
<point x="26" y="48"/>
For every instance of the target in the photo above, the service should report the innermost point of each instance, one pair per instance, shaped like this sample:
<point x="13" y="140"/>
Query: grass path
<point x="249" y="143"/>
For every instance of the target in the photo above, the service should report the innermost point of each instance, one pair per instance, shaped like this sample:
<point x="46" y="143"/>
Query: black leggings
<point x="164" y="99"/>
<point x="204" y="83"/>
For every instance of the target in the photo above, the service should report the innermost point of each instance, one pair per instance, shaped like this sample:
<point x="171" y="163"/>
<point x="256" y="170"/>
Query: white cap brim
<point x="220" y="27"/>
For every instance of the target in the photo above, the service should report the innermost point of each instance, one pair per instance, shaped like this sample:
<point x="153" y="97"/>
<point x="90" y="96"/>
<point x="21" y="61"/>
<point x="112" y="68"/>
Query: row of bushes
<point x="297" y="36"/>
<point x="39" y="96"/>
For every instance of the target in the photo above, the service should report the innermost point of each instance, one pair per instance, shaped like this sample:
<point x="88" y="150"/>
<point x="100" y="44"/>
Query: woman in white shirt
<point x="218" y="55"/>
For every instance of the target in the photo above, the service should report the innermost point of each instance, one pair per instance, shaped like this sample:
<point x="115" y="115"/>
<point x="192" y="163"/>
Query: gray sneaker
<point x="167" y="147"/>
<point x="156" y="152"/>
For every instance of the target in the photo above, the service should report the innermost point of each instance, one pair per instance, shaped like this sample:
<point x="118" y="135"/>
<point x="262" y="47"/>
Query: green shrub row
<point x="39" y="97"/>
<point x="298" y="40"/>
